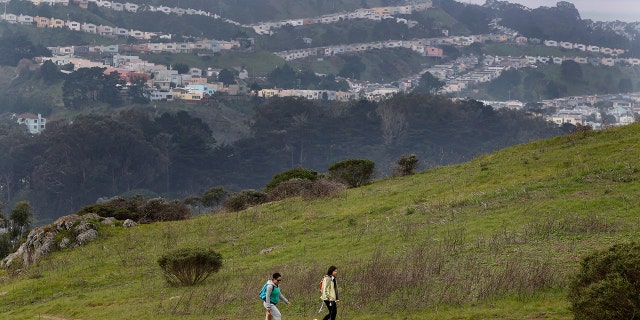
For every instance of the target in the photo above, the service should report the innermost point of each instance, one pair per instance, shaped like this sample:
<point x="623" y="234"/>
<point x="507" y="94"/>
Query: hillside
<point x="495" y="237"/>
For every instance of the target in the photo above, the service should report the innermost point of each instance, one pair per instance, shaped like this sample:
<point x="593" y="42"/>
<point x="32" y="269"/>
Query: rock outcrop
<point x="66" y="232"/>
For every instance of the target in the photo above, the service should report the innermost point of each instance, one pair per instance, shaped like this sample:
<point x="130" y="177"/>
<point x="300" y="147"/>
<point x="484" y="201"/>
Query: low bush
<point x="117" y="208"/>
<point x="159" y="209"/>
<point x="288" y="189"/>
<point x="323" y="188"/>
<point x="299" y="174"/>
<point x="140" y="209"/>
<point x="244" y="199"/>
<point x="406" y="165"/>
<point x="189" y="266"/>
<point x="607" y="285"/>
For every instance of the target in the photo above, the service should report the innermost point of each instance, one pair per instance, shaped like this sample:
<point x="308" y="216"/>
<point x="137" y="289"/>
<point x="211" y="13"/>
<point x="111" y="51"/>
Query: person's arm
<point x="284" y="299"/>
<point x="269" y="291"/>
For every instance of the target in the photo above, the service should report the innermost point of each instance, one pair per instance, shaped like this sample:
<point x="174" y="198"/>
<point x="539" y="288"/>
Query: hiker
<point x="272" y="296"/>
<point x="330" y="293"/>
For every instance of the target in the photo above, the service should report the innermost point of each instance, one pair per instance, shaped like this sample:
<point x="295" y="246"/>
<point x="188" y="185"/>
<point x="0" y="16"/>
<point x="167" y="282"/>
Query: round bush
<point x="607" y="285"/>
<point x="299" y="173"/>
<point x="353" y="172"/>
<point x="244" y="199"/>
<point x="189" y="266"/>
<point x="288" y="189"/>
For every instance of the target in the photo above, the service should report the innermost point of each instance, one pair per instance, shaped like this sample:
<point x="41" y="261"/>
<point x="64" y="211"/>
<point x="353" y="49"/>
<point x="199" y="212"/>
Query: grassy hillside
<point x="496" y="237"/>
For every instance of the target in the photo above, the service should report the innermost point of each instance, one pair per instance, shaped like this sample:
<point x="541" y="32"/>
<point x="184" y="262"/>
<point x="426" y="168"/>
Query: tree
<point x="406" y="164"/>
<point x="283" y="77"/>
<point x="137" y="90"/>
<point x="2" y="217"/>
<point x="49" y="72"/>
<point x="213" y="196"/>
<point x="607" y="286"/>
<point x="571" y="70"/>
<point x="22" y="217"/>
<point x="553" y="90"/>
<point x="181" y="68"/>
<point x="255" y="87"/>
<point x="226" y="77"/>
<point x="91" y="85"/>
<point x="625" y="85"/>
<point x="429" y="84"/>
<point x="15" y="48"/>
<point x="353" y="172"/>
<point x="504" y="87"/>
<point x="352" y="68"/>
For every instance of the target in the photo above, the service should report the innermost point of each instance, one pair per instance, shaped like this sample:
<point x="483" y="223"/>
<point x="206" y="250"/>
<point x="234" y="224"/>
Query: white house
<point x="36" y="124"/>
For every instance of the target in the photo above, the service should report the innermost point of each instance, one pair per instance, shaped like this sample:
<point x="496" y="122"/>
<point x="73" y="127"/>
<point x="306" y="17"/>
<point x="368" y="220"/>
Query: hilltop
<point x="494" y="237"/>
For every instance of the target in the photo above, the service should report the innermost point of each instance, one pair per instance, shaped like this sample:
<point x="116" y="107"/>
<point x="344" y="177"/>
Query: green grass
<point x="494" y="238"/>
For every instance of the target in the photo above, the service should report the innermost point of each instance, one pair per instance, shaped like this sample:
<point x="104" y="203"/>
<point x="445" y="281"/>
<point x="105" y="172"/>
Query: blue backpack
<point x="263" y="292"/>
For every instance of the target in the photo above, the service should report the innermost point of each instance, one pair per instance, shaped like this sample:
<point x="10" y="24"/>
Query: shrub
<point x="244" y="199"/>
<point x="161" y="210"/>
<point x="406" y="164"/>
<point x="323" y="188"/>
<point x="299" y="173"/>
<point x="308" y="190"/>
<point x="189" y="266"/>
<point x="118" y="208"/>
<point x="140" y="209"/>
<point x="353" y="172"/>
<point x="213" y="196"/>
<point x="288" y="189"/>
<point x="607" y="285"/>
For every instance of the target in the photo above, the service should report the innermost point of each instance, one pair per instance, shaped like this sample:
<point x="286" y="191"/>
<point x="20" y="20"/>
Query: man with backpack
<point x="270" y="295"/>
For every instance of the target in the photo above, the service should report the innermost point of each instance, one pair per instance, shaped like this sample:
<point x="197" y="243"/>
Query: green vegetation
<point x="298" y="173"/>
<point x="189" y="266"/>
<point x="406" y="165"/>
<point x="353" y="172"/>
<point x="244" y="199"/>
<point x="607" y="285"/>
<point x="495" y="237"/>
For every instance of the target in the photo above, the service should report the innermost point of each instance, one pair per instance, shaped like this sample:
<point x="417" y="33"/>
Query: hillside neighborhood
<point x="166" y="84"/>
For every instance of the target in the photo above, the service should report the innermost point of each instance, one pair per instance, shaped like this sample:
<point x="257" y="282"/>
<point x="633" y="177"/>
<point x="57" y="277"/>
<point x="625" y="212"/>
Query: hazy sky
<point x="598" y="10"/>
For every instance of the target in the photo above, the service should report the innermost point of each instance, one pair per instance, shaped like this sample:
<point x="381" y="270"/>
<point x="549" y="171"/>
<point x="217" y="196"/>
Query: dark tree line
<point x="14" y="48"/>
<point x="532" y="84"/>
<point x="87" y="85"/>
<point x="73" y="163"/>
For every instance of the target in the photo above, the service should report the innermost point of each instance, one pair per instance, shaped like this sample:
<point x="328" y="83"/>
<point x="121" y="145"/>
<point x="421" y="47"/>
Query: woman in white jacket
<point x="330" y="293"/>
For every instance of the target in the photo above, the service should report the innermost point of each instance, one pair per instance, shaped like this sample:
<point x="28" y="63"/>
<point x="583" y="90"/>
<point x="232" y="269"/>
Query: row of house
<point x="553" y="43"/>
<point x="142" y="48"/>
<point x="45" y="22"/>
<point x="584" y="48"/>
<point x="308" y="94"/>
<point x="417" y="45"/>
<point x="118" y="6"/>
<point x="378" y="13"/>
<point x="431" y="47"/>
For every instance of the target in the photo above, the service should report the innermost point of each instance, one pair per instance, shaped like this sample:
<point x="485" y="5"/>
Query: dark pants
<point x="333" y="310"/>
